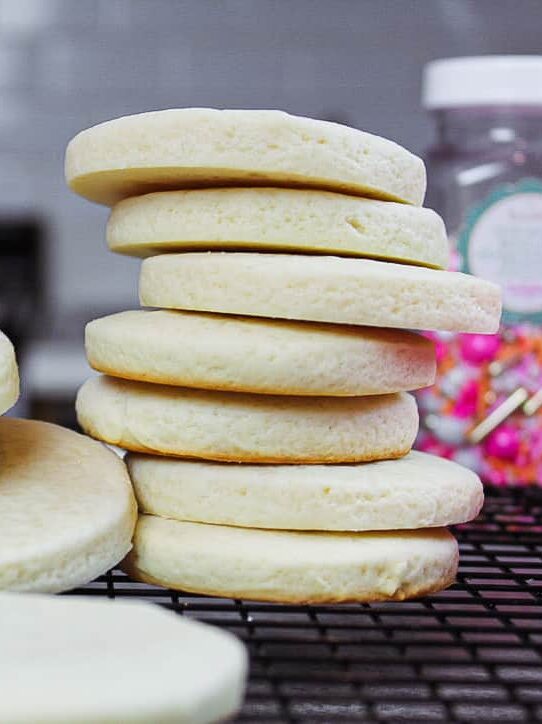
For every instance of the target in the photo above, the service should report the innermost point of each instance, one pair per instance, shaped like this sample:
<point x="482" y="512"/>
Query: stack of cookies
<point x="265" y="402"/>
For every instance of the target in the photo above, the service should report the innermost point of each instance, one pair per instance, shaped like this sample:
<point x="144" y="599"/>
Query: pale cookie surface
<point x="416" y="491"/>
<point x="9" y="375"/>
<point x="321" y="289"/>
<point x="258" y="355"/>
<point x="77" y="660"/>
<point x="191" y="147"/>
<point x="274" y="220"/>
<point x="239" y="427"/>
<point x="67" y="510"/>
<point x="291" y="567"/>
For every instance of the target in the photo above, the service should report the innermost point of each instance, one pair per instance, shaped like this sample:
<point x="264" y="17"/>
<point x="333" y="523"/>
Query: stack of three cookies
<point x="315" y="410"/>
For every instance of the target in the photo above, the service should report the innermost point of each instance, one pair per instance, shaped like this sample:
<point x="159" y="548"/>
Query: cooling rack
<point x="470" y="654"/>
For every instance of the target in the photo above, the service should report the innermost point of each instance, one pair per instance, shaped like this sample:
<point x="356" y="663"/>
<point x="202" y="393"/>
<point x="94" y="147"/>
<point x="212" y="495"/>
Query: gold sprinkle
<point x="533" y="403"/>
<point x="499" y="415"/>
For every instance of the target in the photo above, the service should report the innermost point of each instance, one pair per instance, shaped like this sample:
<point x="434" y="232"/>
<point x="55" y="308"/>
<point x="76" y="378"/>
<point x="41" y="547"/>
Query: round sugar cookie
<point x="267" y="219"/>
<point x="291" y="567"/>
<point x="206" y="147"/>
<point x="9" y="375"/>
<point x="67" y="510"/>
<point x="71" y="660"/>
<point x="258" y="355"/>
<point x="321" y="289"/>
<point x="237" y="427"/>
<point x="416" y="491"/>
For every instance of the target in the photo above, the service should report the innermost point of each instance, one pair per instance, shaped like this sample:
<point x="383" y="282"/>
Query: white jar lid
<point x="482" y="81"/>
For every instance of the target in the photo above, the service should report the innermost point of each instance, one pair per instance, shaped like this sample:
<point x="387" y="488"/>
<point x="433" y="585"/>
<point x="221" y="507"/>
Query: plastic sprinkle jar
<point x="485" y="179"/>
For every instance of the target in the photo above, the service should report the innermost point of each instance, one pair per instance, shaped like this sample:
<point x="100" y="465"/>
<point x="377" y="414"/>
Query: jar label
<point x="502" y="241"/>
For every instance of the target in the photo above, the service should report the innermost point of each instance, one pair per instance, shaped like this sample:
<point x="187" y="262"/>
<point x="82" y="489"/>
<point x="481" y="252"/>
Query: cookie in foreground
<point x="72" y="660"/>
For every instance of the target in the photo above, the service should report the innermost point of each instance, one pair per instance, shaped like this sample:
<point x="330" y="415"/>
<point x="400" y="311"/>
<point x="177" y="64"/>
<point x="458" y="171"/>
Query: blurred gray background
<point x="68" y="64"/>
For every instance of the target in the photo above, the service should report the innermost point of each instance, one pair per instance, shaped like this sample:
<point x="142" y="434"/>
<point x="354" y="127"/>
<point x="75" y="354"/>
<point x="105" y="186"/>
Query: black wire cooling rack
<point x="470" y="654"/>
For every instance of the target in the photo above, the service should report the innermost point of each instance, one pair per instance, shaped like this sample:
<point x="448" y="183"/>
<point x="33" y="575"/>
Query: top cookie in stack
<point x="203" y="147"/>
<point x="287" y="257"/>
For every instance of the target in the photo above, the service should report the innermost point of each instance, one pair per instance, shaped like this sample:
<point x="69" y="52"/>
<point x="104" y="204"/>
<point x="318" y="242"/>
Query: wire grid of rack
<point x="470" y="654"/>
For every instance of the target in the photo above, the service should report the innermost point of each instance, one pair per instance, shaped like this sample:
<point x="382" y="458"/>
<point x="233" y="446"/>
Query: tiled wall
<point x="67" y="64"/>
